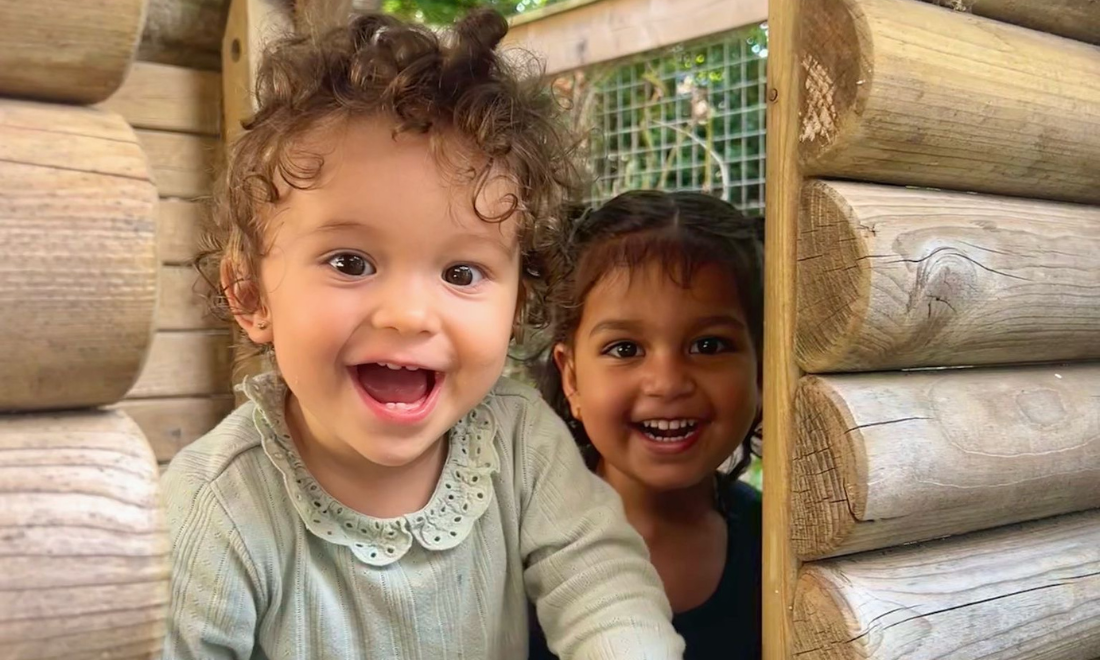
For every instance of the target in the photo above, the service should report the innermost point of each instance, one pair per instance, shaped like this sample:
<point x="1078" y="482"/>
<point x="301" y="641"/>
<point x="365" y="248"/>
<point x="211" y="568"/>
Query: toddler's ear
<point x="563" y="358"/>
<point x="242" y="292"/>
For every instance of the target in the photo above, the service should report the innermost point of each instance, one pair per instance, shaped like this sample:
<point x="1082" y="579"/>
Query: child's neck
<point x="374" y="490"/>
<point x="651" y="512"/>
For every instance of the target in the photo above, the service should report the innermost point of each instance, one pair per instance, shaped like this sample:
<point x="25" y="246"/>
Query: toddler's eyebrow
<point x="338" y="224"/>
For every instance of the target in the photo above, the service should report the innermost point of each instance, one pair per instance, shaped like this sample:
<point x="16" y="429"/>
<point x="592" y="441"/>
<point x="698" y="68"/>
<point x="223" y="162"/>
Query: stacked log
<point x="938" y="277"/>
<point x="83" y="558"/>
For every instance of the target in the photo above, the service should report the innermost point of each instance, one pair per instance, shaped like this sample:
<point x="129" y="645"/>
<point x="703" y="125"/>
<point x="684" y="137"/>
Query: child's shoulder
<point x="516" y="405"/>
<point x="743" y="505"/>
<point x="228" y="453"/>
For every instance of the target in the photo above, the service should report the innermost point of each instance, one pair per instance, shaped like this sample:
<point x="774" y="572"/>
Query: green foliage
<point x="442" y="12"/>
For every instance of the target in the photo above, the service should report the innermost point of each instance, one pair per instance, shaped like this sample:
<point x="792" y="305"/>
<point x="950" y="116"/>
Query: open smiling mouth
<point x="668" y="430"/>
<point x="401" y="393"/>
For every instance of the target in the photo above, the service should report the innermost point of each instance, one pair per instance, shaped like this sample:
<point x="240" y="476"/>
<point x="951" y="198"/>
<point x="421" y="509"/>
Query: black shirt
<point x="727" y="625"/>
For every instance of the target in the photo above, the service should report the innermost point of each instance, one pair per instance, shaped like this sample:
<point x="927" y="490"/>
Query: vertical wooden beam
<point x="251" y="25"/>
<point x="781" y="373"/>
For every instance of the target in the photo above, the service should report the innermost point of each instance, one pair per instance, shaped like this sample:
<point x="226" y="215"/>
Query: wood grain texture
<point x="184" y="33"/>
<point x="183" y="165"/>
<point x="893" y="277"/>
<point x="169" y="98"/>
<point x="72" y="52"/>
<point x="186" y="363"/>
<point x="892" y="458"/>
<point x="1027" y="592"/>
<point x="182" y="303"/>
<point x="179" y="230"/>
<point x="170" y="424"/>
<point x="900" y="91"/>
<point x="251" y="26"/>
<point x="1076" y="19"/>
<point x="780" y="257"/>
<point x="84" y="553"/>
<point x="612" y="29"/>
<point x="77" y="256"/>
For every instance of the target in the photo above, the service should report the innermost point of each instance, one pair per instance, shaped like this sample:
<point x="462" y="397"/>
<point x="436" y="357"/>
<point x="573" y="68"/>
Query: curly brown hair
<point x="501" y="113"/>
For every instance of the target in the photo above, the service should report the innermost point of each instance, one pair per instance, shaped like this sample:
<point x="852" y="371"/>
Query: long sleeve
<point x="214" y="598"/>
<point x="587" y="570"/>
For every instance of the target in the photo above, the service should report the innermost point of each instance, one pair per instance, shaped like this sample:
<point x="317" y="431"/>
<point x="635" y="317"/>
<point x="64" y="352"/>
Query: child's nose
<point x="406" y="307"/>
<point x="667" y="377"/>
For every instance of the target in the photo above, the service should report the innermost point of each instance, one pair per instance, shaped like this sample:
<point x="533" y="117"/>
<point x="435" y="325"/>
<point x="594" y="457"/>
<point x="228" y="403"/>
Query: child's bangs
<point x="679" y="253"/>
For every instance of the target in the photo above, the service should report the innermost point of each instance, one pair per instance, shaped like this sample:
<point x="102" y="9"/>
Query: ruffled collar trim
<point x="462" y="495"/>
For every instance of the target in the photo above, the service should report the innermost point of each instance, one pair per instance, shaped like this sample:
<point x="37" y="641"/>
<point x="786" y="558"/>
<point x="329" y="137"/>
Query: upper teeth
<point x="668" y="424"/>
<point x="397" y="367"/>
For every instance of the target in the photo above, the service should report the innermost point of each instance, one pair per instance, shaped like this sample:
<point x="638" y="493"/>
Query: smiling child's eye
<point x="623" y="349"/>
<point x="350" y="264"/>
<point x="463" y="275"/>
<point x="710" y="346"/>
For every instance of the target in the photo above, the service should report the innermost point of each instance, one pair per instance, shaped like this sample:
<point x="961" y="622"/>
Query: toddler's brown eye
<point x="462" y="275"/>
<point x="350" y="264"/>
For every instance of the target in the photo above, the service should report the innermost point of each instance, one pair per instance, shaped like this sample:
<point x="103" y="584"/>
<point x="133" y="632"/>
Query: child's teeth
<point x="391" y="366"/>
<point x="397" y="405"/>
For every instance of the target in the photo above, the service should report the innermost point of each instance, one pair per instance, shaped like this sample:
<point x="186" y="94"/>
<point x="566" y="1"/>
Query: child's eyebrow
<point x="503" y="247"/>
<point x="337" y="224"/>
<point x="626" y="325"/>
<point x="720" y="319"/>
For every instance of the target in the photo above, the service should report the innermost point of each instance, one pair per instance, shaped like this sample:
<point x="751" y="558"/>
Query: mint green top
<point x="266" y="564"/>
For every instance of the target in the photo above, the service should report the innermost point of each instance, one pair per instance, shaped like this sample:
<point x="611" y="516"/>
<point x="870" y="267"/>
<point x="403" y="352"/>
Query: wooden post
<point x="892" y="277"/>
<point x="780" y="370"/>
<point x="84" y="553"/>
<point x="78" y="285"/>
<point x="904" y="92"/>
<point x="1018" y="593"/>
<point x="890" y="458"/>
<point x="252" y="24"/>
<point x="73" y="52"/>
<point x="579" y="33"/>
<point x="1076" y="19"/>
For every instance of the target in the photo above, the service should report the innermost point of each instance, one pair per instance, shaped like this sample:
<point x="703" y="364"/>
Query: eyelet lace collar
<point x="462" y="495"/>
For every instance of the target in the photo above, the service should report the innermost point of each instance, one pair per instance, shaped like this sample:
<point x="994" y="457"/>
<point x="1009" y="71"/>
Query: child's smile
<point x="399" y="393"/>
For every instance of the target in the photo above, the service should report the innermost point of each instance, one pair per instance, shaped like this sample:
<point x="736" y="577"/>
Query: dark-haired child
<point x="382" y="495"/>
<point x="655" y="313"/>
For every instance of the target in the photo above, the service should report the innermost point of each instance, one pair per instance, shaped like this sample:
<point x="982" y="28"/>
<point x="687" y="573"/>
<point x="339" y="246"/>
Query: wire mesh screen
<point x="690" y="117"/>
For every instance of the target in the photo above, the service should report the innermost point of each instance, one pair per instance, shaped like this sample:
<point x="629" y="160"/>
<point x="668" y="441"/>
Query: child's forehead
<point x="369" y="156"/>
<point x="661" y="284"/>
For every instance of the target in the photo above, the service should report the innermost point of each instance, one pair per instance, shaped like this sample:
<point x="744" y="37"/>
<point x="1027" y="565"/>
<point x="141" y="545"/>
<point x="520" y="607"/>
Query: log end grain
<point x="828" y="495"/>
<point x="835" y="69"/>
<point x="823" y="627"/>
<point x="834" y="277"/>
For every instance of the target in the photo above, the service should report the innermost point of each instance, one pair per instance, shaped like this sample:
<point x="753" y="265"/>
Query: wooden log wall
<point x="933" y="350"/>
<point x="184" y="387"/>
<point x="83" y="555"/>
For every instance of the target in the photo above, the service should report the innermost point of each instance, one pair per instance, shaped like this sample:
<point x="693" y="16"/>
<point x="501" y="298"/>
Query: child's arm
<point x="214" y="598"/>
<point x="588" y="571"/>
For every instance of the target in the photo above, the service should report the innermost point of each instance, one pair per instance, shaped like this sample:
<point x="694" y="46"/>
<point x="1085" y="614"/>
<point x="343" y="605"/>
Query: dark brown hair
<point x="453" y="85"/>
<point x="682" y="231"/>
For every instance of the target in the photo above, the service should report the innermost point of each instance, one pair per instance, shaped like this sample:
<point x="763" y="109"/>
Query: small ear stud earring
<point x="261" y="325"/>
